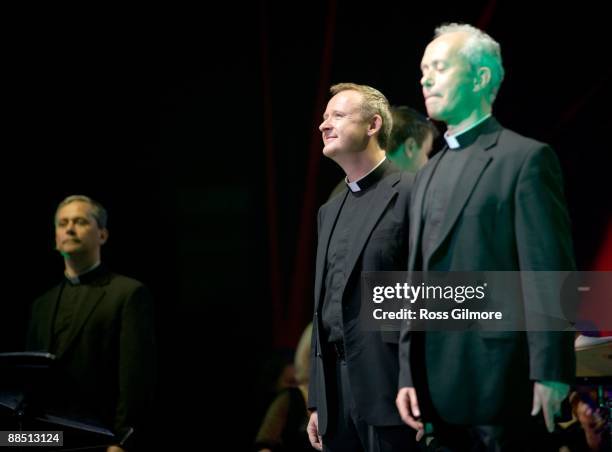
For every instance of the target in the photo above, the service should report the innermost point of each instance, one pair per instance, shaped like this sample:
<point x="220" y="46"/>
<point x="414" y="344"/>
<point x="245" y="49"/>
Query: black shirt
<point x="352" y="212"/>
<point x="74" y="293"/>
<point x="443" y="183"/>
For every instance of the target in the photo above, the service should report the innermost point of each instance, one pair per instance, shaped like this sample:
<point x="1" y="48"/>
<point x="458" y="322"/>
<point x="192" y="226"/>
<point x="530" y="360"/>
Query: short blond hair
<point x="374" y="103"/>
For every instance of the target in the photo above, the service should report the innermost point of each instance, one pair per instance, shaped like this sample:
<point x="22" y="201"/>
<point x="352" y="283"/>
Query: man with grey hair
<point x="354" y="373"/>
<point x="99" y="325"/>
<point x="490" y="200"/>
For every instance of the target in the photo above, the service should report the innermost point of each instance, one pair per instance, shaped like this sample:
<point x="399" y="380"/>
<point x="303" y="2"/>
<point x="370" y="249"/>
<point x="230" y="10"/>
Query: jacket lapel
<point x="331" y="215"/>
<point x="416" y="211"/>
<point x="467" y="182"/>
<point x="54" y="297"/>
<point x="385" y="192"/>
<point x="84" y="310"/>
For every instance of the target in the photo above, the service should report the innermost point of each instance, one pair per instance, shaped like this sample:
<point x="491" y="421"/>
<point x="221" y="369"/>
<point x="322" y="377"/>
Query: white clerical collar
<point x="354" y="186"/>
<point x="76" y="279"/>
<point x="452" y="140"/>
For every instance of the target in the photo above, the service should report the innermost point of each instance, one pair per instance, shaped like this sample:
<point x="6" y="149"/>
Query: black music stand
<point x="26" y="384"/>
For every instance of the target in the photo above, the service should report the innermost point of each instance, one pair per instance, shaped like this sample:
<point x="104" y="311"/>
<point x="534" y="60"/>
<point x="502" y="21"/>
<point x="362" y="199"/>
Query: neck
<point x="74" y="266"/>
<point x="359" y="164"/>
<point x="454" y="127"/>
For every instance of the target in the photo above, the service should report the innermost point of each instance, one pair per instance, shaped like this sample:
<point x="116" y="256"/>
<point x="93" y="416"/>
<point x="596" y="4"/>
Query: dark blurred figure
<point x="277" y="372"/>
<point x="284" y="426"/>
<point x="412" y="138"/>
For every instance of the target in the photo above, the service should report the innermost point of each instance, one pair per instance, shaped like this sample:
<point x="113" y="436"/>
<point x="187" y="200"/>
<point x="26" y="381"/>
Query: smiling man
<point x="99" y="325"/>
<point x="354" y="373"/>
<point x="490" y="200"/>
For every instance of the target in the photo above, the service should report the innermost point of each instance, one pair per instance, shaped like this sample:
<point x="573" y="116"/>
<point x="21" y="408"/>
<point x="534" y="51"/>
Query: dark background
<point x="197" y="129"/>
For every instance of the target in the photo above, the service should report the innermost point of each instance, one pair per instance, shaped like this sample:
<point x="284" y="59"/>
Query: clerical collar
<point x="373" y="176"/>
<point x="87" y="276"/>
<point x="467" y="136"/>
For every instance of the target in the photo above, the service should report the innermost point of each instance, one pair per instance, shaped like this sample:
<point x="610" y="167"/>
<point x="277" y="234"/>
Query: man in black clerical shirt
<point x="354" y="373"/>
<point x="99" y="325"/>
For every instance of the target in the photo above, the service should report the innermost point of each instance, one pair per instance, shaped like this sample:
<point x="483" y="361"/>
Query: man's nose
<point x="324" y="125"/>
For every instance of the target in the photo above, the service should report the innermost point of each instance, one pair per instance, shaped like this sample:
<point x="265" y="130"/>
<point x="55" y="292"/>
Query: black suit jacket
<point x="372" y="357"/>
<point x="507" y="213"/>
<point x="106" y="369"/>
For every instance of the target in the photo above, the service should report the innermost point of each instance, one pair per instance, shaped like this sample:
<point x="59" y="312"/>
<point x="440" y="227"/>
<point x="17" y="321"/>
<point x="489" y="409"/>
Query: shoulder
<point x="48" y="296"/>
<point x="290" y="399"/>
<point x="399" y="181"/>
<point x="333" y="201"/>
<point x="405" y="181"/>
<point x="520" y="146"/>
<point x="536" y="156"/>
<point x="514" y="152"/>
<point x="50" y="292"/>
<point x="133" y="299"/>
<point x="124" y="282"/>
<point x="121" y="285"/>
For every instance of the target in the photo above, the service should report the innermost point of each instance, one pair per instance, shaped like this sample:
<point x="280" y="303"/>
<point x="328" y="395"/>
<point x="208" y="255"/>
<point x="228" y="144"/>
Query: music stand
<point x="26" y="382"/>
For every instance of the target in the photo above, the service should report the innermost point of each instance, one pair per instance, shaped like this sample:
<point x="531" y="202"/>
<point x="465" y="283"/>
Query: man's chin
<point x="69" y="252"/>
<point x="329" y="152"/>
<point x="434" y="114"/>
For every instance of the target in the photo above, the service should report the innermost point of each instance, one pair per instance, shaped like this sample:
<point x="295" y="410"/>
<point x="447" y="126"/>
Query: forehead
<point x="75" y="209"/>
<point x="443" y="48"/>
<point x="345" y="101"/>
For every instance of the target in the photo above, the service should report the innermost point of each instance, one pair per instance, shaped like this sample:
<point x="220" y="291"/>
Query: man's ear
<point x="375" y="125"/>
<point x="410" y="145"/>
<point x="103" y="236"/>
<point x="482" y="79"/>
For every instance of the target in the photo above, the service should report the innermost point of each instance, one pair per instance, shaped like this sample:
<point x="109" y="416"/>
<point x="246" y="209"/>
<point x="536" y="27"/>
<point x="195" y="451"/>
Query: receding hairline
<point x="96" y="210"/>
<point x="456" y="45"/>
<point x="88" y="204"/>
